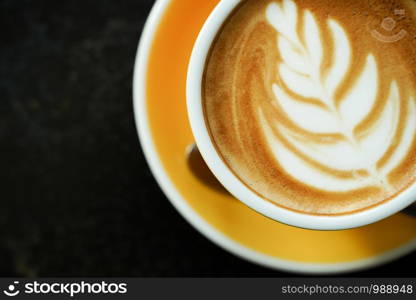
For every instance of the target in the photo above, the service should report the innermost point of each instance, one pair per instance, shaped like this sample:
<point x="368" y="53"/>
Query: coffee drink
<point x="312" y="103"/>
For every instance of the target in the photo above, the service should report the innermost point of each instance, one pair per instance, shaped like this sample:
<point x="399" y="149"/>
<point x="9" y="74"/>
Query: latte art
<point x="308" y="98"/>
<point x="311" y="111"/>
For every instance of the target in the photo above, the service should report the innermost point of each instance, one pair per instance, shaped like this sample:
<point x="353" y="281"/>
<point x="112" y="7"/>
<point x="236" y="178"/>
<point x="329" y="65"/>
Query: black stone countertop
<point x="77" y="198"/>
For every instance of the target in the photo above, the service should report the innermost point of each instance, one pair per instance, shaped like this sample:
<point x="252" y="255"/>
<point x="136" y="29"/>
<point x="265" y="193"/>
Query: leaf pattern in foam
<point x="380" y="136"/>
<point x="284" y="19"/>
<point x="344" y="156"/>
<point x="308" y="116"/>
<point x="341" y="156"/>
<point x="300" y="71"/>
<point x="341" y="57"/>
<point x="302" y="60"/>
<point x="361" y="98"/>
<point x="298" y="83"/>
<point x="313" y="43"/>
<point x="406" y="141"/>
<point x="292" y="56"/>
<point x="296" y="167"/>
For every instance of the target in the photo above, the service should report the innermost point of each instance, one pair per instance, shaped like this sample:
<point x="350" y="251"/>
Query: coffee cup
<point x="297" y="123"/>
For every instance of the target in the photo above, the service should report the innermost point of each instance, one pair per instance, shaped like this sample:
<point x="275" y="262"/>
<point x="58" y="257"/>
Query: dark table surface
<point x="77" y="198"/>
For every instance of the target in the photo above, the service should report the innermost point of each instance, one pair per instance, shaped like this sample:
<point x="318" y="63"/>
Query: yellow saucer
<point x="160" y="110"/>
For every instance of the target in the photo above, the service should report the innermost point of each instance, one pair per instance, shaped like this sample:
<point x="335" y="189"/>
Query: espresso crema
<point x="312" y="103"/>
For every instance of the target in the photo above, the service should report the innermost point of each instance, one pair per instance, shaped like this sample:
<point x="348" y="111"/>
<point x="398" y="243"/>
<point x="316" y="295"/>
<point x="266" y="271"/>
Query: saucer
<point x="165" y="136"/>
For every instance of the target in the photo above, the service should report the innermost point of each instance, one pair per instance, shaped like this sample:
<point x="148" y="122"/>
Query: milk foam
<point x="300" y="73"/>
<point x="311" y="111"/>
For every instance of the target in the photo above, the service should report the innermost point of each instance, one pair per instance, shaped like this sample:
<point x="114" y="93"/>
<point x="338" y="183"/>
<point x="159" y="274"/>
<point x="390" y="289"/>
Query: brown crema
<point x="265" y="80"/>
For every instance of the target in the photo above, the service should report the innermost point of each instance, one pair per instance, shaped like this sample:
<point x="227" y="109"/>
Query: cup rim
<point x="238" y="189"/>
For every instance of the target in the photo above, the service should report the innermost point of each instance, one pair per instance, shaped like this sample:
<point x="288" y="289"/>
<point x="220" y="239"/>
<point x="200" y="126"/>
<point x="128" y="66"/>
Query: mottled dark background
<point x="77" y="198"/>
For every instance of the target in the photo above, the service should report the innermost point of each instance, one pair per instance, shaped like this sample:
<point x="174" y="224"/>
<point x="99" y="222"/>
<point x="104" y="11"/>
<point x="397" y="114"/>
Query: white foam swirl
<point x="308" y="160"/>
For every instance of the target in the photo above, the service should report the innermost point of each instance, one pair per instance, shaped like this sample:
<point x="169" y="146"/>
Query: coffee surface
<point x="312" y="103"/>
